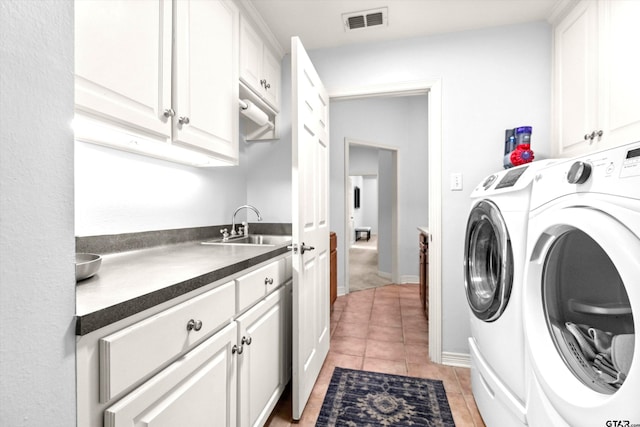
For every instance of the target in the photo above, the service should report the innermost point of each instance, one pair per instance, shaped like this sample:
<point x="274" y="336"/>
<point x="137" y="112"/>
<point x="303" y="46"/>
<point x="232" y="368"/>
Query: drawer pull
<point x="196" y="325"/>
<point x="236" y="349"/>
<point x="268" y="280"/>
<point x="246" y="341"/>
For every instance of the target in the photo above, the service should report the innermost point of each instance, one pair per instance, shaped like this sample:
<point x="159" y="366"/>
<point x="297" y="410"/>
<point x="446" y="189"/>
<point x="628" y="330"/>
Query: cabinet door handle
<point x="184" y="120"/>
<point x="263" y="82"/>
<point x="235" y="349"/>
<point x="196" y="325"/>
<point x="267" y="85"/>
<point x="246" y="340"/>
<point x="169" y="112"/>
<point x="593" y="135"/>
<point x="268" y="280"/>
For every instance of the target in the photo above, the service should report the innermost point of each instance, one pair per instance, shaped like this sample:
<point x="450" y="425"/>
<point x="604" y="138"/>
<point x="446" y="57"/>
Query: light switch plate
<point x="456" y="181"/>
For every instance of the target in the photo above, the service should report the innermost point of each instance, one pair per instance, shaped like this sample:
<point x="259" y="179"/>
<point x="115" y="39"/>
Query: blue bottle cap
<point x="523" y="129"/>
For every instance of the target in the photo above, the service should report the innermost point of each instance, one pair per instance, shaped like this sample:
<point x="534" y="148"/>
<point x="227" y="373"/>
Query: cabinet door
<point x="197" y="390"/>
<point x="261" y="364"/>
<point x="576" y="73"/>
<point x="123" y="62"/>
<point x="250" y="56"/>
<point x="205" y="85"/>
<point x="620" y="68"/>
<point x="271" y="71"/>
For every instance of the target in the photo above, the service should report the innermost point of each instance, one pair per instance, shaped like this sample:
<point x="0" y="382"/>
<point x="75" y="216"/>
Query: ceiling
<point x="319" y="23"/>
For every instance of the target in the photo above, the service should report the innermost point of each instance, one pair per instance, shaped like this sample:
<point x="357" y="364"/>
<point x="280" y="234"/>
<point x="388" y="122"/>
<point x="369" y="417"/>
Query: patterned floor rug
<point x="363" y="399"/>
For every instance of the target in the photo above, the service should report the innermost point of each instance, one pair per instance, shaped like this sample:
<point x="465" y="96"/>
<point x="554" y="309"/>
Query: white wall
<point x="268" y="177"/>
<point x="362" y="160"/>
<point x="37" y="278"/>
<point x="120" y="192"/>
<point x="387" y="194"/>
<point x="369" y="203"/>
<point x="491" y="80"/>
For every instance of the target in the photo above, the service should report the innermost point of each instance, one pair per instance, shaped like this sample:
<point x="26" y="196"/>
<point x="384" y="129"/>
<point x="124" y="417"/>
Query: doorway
<point x="433" y="89"/>
<point x="371" y="208"/>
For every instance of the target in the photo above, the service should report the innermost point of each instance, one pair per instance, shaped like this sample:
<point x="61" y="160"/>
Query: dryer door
<point x="580" y="296"/>
<point x="488" y="262"/>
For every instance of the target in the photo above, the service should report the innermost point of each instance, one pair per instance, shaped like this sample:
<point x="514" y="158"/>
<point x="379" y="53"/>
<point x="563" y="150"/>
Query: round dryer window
<point x="588" y="311"/>
<point x="488" y="260"/>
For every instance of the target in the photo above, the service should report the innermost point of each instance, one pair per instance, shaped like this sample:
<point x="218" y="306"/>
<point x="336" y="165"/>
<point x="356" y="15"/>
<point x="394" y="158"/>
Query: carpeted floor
<point x="363" y="398"/>
<point x="363" y="265"/>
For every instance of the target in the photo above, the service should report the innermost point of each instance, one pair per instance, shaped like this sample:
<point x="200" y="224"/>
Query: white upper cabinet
<point x="123" y="62"/>
<point x="575" y="81"/>
<point x="596" y="91"/>
<point x="206" y="73"/>
<point x="165" y="70"/>
<point x="259" y="67"/>
<point x="620" y="71"/>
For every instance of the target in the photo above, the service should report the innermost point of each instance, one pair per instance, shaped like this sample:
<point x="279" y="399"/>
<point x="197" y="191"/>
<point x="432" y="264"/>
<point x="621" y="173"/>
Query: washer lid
<point x="488" y="262"/>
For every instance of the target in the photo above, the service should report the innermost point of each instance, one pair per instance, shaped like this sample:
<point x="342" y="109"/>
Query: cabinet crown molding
<point x="560" y="10"/>
<point x="249" y="10"/>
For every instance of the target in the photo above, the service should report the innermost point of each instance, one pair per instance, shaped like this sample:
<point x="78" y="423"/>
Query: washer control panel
<point x="614" y="172"/>
<point x="631" y="163"/>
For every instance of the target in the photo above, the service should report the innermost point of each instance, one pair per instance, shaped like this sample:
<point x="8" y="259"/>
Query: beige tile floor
<point x="383" y="330"/>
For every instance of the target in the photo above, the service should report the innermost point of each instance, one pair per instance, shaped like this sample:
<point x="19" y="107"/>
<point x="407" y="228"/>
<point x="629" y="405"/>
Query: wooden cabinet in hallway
<point x="424" y="272"/>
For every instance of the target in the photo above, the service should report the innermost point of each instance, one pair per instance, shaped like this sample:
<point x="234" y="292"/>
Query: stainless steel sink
<point x="252" y="240"/>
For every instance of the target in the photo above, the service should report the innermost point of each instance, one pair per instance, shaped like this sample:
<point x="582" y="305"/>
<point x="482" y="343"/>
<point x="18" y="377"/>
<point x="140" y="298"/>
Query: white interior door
<point x="310" y="220"/>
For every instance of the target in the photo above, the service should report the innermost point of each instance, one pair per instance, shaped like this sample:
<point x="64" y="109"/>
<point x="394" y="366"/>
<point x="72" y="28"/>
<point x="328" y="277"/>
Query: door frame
<point x="433" y="89"/>
<point x="395" y="275"/>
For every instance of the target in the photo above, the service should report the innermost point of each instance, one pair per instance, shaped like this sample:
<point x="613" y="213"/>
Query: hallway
<point x="363" y="265"/>
<point x="383" y="330"/>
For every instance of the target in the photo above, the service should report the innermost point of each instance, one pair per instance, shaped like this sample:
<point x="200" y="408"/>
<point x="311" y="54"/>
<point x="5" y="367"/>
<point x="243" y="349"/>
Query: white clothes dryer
<point x="494" y="257"/>
<point x="581" y="294"/>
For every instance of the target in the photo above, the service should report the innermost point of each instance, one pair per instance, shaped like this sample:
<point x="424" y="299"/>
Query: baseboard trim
<point x="384" y="275"/>
<point x="403" y="279"/>
<point x="409" y="279"/>
<point x="462" y="360"/>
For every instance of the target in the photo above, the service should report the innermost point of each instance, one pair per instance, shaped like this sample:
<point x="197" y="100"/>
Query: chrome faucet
<point x="246" y="227"/>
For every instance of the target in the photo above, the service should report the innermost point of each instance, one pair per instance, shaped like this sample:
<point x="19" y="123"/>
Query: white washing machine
<point x="494" y="258"/>
<point x="581" y="294"/>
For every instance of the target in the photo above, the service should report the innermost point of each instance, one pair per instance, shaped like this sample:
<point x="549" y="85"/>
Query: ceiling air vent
<point x="365" y="19"/>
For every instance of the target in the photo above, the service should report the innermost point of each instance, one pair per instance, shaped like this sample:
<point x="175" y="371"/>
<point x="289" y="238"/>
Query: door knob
<point x="184" y="120"/>
<point x="169" y="112"/>
<point x="304" y="248"/>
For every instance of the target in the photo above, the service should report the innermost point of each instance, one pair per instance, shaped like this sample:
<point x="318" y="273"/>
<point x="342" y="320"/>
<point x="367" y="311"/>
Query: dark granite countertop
<point x="132" y="281"/>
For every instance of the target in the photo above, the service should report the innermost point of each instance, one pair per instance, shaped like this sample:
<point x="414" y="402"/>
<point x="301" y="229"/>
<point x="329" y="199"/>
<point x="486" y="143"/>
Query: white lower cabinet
<point x="207" y="361"/>
<point x="199" y="389"/>
<point x="262" y="373"/>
